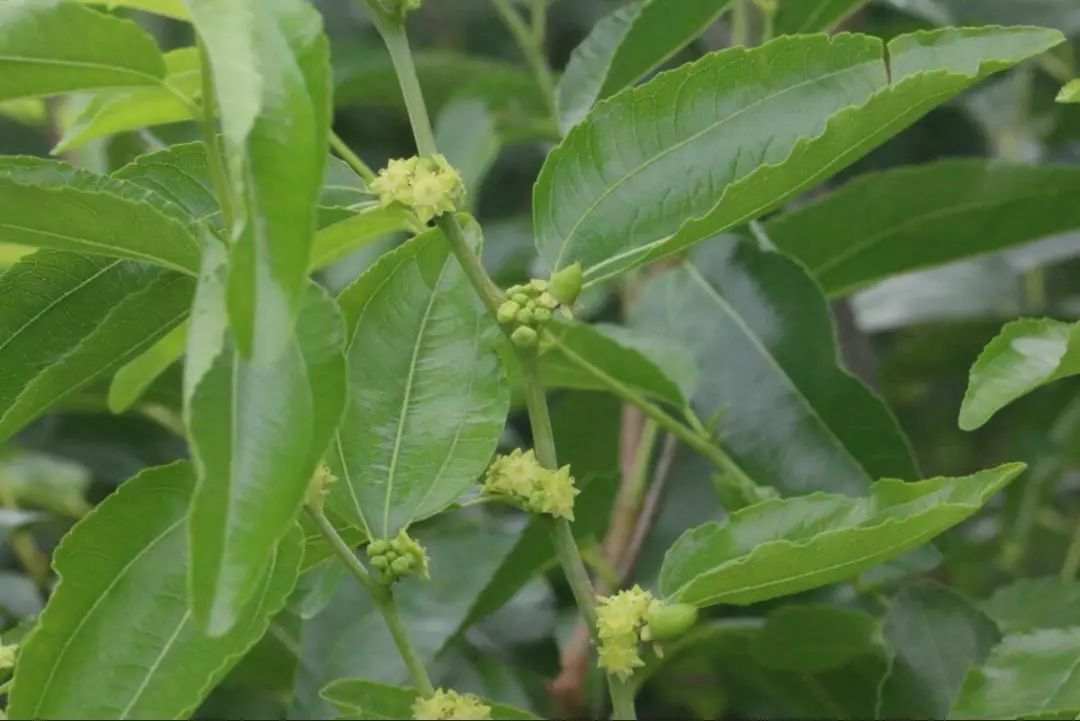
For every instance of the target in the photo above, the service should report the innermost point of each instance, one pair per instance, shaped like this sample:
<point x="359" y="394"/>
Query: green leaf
<point x="178" y="174"/>
<point x="131" y="381"/>
<point x="784" y="546"/>
<point x="1025" y="356"/>
<point x="730" y="137"/>
<point x="67" y="319"/>
<point x="623" y="47"/>
<point x="257" y="430"/>
<point x="882" y="224"/>
<point x="1027" y="675"/>
<point x="270" y="62"/>
<point x="427" y="397"/>
<point x="50" y="204"/>
<point x="815" y="637"/>
<point x="357" y="698"/>
<point x="35" y="480"/>
<point x="169" y="8"/>
<point x="56" y="46"/>
<point x="813" y="16"/>
<point x="139" y="107"/>
<point x="935" y="636"/>
<point x="788" y="413"/>
<point x="333" y="242"/>
<point x="466" y="133"/>
<point x="116" y="639"/>
<point x="1035" y="603"/>
<point x="1070" y="93"/>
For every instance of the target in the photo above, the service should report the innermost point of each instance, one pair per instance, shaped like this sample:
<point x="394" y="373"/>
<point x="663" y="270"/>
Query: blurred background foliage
<point x="495" y="624"/>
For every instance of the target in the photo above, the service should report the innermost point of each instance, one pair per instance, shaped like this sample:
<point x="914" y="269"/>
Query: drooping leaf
<point x="131" y="381"/>
<point x="813" y="16"/>
<point x="787" y="412"/>
<point x="333" y="242"/>
<point x="56" y="46"/>
<point x="934" y="636"/>
<point x="350" y="638"/>
<point x="882" y="224"/>
<point x="730" y="137"/>
<point x="169" y="8"/>
<point x="257" y="430"/>
<point x="1035" y="603"/>
<point x="270" y="62"/>
<point x="815" y="637"/>
<point x="1025" y="356"/>
<point x="427" y="398"/>
<point x="783" y="546"/>
<point x="623" y="47"/>
<point x="117" y="639"/>
<point x="140" y="107"/>
<point x="54" y="205"/>
<point x="357" y="698"/>
<point x="1028" y="675"/>
<point x="67" y="319"/>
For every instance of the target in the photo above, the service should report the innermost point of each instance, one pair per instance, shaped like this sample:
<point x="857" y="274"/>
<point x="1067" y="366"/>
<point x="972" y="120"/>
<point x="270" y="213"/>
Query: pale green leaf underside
<point x="257" y="431"/>
<point x="1025" y="356"/>
<point x="726" y="139"/>
<point x="55" y="46"/>
<point x="1028" y="675"/>
<point x="427" y="397"/>
<point x="117" y="639"/>
<point x="66" y="320"/>
<point x="366" y="699"/>
<point x="882" y="224"/>
<point x="784" y="546"/>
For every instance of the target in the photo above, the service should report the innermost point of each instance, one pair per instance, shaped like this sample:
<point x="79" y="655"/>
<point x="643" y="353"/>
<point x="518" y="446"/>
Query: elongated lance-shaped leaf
<point x="787" y="412"/>
<point x="882" y="224"/>
<point x="257" y="431"/>
<point x="366" y="699"/>
<point x="117" y="639"/>
<point x="57" y="46"/>
<point x="1027" y="355"/>
<point x="168" y="8"/>
<point x="799" y="18"/>
<point x="54" y="205"/>
<point x="785" y="546"/>
<point x="270" y="63"/>
<point x="68" y="319"/>
<point x="1028" y="675"/>
<point x="730" y="137"/>
<point x="427" y="398"/>
<point x="131" y="381"/>
<point x="623" y="47"/>
<point x="139" y="107"/>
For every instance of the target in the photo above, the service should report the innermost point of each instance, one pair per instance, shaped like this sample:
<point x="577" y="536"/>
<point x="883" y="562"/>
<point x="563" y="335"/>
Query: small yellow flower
<point x="620" y="658"/>
<point x="450" y="705"/>
<point x="428" y="186"/>
<point x="621" y="624"/>
<point x="520" y="477"/>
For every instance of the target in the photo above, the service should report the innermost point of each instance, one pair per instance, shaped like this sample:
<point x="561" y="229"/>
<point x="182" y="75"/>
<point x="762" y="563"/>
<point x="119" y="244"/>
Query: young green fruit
<point x="565" y="285"/>
<point x="669" y="621"/>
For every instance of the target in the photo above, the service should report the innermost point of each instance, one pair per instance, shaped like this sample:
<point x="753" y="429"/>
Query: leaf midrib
<point x="83" y="64"/>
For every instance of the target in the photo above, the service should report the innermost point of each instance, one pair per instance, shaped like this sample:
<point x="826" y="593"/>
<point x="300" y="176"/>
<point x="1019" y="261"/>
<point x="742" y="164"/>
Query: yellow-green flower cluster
<point x="429" y="186"/>
<point x="520" y="478"/>
<point x="397" y="558"/>
<point x="450" y="705"/>
<point x="621" y="619"/>
<point x="319" y="487"/>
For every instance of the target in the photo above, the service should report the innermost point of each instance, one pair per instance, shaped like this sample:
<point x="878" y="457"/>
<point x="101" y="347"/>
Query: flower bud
<point x="666" y="622"/>
<point x="566" y="284"/>
<point x="378" y="547"/>
<point x="507" y="311"/>
<point x="450" y="705"/>
<point x="524" y="337"/>
<point x="398" y="8"/>
<point x="524" y="316"/>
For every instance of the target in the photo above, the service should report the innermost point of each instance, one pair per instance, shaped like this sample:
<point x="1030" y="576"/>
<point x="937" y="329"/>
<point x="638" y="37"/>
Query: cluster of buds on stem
<point x="450" y="705"/>
<point x="397" y="558"/>
<point x="633" y="616"/>
<point x="529" y="307"/>
<point x="398" y="8"/>
<point x="520" y="479"/>
<point x="427" y="186"/>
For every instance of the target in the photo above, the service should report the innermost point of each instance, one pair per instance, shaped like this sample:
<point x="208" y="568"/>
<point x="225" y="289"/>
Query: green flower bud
<point x="515" y="289"/>
<point x="566" y="284"/>
<point x="380" y="562"/>
<point x="506" y="312"/>
<point x="401" y="566"/>
<point x="538" y="284"/>
<point x="524" y="337"/>
<point x="520" y="298"/>
<point x="669" y="621"/>
<point x="548" y="301"/>
<point x="524" y="316"/>
<point x="378" y="547"/>
<point x="541" y="316"/>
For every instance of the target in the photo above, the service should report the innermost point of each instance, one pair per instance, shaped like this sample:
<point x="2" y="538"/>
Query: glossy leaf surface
<point x="733" y="135"/>
<point x="427" y="395"/>
<point x="41" y="54"/>
<point x="117" y="639"/>
<point x="788" y="414"/>
<point x="66" y="320"/>
<point x="1027" y="355"/>
<point x="882" y="224"/>
<point x="784" y="546"/>
<point x="357" y="698"/>
<point x="257" y="430"/>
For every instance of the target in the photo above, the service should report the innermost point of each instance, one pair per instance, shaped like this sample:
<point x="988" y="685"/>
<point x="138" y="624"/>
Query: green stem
<point x="622" y="699"/>
<point x="352" y="159"/>
<point x="212" y="142"/>
<point x="470" y="262"/>
<point x="530" y="41"/>
<point x="384" y="601"/>
<point x="740" y="23"/>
